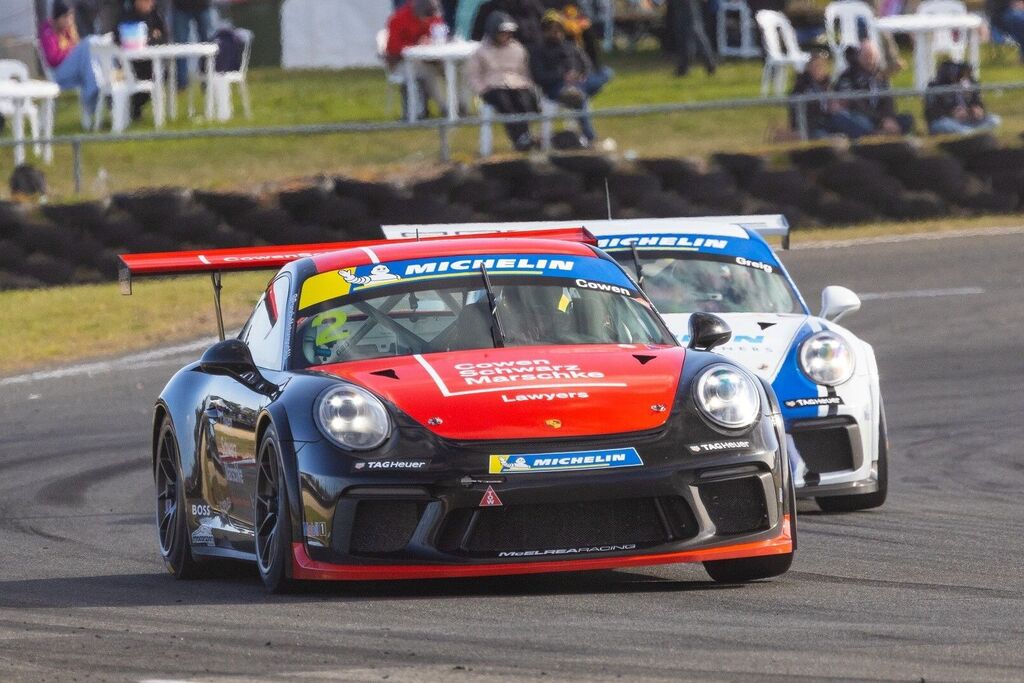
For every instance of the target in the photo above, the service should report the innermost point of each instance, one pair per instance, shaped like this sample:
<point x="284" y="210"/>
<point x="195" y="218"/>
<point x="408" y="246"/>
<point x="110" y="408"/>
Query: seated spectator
<point x="825" y="117"/>
<point x="956" y="112"/>
<point x="864" y="74"/>
<point x="499" y="72"/>
<point x="564" y="73"/>
<point x="1008" y="17"/>
<point x="526" y="14"/>
<point x="28" y="185"/>
<point x="578" y="26"/>
<point x="144" y="12"/>
<point x="410" y="25"/>
<point x="69" y="57"/>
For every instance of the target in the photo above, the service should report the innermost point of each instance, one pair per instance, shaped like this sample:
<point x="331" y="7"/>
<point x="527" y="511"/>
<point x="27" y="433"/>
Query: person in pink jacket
<point x="69" y="57"/>
<point x="499" y="73"/>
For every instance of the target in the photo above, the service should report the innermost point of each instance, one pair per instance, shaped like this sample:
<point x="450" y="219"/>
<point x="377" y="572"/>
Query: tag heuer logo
<point x="554" y="424"/>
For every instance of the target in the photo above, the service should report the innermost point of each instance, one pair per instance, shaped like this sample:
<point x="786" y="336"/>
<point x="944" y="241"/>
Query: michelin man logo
<point x="379" y="273"/>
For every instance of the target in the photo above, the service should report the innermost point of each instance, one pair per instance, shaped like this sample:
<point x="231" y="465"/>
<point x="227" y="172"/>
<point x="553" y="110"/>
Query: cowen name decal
<point x="511" y="375"/>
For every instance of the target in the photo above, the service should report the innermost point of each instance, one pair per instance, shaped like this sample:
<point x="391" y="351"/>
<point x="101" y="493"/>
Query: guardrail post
<point x="76" y="164"/>
<point x="446" y="148"/>
<point x="801" y="120"/>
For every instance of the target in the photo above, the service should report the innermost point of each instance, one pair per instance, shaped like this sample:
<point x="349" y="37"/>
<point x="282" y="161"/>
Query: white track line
<point x="913" y="237"/>
<point x="920" y="293"/>
<point x="137" y="360"/>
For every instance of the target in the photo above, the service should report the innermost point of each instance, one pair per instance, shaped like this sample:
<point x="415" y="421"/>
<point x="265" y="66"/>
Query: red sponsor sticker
<point x="490" y="499"/>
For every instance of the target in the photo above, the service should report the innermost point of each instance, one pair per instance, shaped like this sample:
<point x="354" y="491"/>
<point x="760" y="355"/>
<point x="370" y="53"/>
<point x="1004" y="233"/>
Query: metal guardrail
<point x="444" y="126"/>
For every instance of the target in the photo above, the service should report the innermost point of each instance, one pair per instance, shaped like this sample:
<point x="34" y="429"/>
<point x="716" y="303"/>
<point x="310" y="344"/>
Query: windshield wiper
<point x="497" y="334"/>
<point x="636" y="265"/>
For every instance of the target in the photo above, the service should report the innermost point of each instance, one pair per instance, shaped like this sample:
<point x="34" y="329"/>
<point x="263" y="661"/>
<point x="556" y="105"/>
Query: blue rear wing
<point x="768" y="225"/>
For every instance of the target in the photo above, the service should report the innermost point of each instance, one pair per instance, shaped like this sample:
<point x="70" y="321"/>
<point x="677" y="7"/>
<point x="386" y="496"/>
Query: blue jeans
<point x="76" y="72"/>
<point x="850" y="123"/>
<point x="590" y="86"/>
<point x="947" y="125"/>
<point x="182" y="28"/>
<point x="1012" y="22"/>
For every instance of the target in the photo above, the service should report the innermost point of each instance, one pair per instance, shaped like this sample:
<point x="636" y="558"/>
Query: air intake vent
<point x="736" y="506"/>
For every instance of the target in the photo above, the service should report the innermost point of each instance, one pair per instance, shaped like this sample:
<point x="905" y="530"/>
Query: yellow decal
<point x="563" y="303"/>
<point x="324" y="287"/>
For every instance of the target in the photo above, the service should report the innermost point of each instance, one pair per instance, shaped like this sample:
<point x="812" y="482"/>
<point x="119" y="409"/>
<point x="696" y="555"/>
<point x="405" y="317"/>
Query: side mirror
<point x="837" y="302"/>
<point x="707" y="331"/>
<point x="232" y="357"/>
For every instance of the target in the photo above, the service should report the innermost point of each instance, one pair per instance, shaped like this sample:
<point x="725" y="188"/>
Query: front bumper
<point x="832" y="456"/>
<point x="434" y="520"/>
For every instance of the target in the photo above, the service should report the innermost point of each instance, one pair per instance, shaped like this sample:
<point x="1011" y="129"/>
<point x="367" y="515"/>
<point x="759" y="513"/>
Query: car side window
<point x="265" y="332"/>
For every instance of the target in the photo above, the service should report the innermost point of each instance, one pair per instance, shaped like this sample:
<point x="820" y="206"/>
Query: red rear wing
<point x="272" y="258"/>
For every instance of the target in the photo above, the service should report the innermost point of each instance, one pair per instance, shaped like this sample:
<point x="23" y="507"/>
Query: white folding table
<point x="924" y="27"/>
<point x="451" y="55"/>
<point x="21" y="93"/>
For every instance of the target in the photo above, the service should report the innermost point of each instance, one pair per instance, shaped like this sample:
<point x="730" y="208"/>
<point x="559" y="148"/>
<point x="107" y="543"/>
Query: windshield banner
<point x="586" y="271"/>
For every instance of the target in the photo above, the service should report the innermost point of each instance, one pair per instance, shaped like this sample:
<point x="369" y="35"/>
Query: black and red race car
<point x="457" y="407"/>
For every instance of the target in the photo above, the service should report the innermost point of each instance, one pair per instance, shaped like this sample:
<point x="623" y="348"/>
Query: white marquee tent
<point x="331" y="34"/>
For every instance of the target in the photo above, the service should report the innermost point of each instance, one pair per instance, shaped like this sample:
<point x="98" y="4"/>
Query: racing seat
<point x="470" y="330"/>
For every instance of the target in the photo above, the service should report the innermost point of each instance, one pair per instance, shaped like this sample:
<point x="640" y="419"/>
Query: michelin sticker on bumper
<point x="564" y="462"/>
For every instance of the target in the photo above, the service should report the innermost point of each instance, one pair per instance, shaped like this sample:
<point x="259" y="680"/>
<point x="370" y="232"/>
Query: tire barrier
<point x="825" y="185"/>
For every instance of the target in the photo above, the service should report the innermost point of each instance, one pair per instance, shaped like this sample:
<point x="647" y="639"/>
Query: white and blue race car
<point x="825" y="377"/>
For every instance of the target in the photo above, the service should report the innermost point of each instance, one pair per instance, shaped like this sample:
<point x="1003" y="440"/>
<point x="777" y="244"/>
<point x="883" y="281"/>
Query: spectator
<point x="564" y="73"/>
<point x="864" y="74"/>
<point x="825" y="117"/>
<point x="526" y="14"/>
<point x="499" y="72"/>
<point x="579" y="27"/>
<point x="69" y="57"/>
<point x="184" y="13"/>
<point x="1008" y="17"/>
<point x="686" y="22"/>
<point x="956" y="112"/>
<point x="143" y="11"/>
<point x="411" y="25"/>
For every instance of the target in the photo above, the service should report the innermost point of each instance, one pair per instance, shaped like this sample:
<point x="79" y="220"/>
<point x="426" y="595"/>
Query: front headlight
<point x="826" y="358"/>
<point x="728" y="396"/>
<point x="353" y="418"/>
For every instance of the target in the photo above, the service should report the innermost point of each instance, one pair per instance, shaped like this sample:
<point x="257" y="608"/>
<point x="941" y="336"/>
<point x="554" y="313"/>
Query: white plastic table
<point x="171" y="53"/>
<point x="924" y="27"/>
<point x="21" y="93"/>
<point x="451" y="54"/>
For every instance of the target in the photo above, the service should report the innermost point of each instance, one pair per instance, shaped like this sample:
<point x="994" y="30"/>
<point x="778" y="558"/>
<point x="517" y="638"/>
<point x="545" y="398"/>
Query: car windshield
<point x="714" y="284"/>
<point x="453" y="312"/>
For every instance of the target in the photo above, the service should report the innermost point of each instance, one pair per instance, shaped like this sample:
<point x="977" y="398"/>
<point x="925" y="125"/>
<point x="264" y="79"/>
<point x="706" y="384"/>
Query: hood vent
<point x="389" y="373"/>
<point x="644" y="360"/>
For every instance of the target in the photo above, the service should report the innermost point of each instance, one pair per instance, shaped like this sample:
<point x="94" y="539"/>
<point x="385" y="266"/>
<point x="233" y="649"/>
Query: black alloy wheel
<point x="272" y="521"/>
<point x="172" y="526"/>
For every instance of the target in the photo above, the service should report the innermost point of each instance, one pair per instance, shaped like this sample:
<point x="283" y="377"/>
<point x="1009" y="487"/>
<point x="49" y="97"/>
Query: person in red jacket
<point x="411" y="24"/>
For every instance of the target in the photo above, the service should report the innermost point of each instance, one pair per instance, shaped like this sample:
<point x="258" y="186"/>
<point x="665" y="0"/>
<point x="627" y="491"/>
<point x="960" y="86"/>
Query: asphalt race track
<point x="931" y="586"/>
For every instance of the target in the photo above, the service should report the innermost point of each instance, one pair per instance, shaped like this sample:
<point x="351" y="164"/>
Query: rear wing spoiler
<point x="769" y="225"/>
<point x="217" y="261"/>
<point x="272" y="258"/>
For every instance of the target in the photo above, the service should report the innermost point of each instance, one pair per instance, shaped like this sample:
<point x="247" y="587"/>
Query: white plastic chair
<point x="119" y="84"/>
<point x="782" y="51"/>
<point x="948" y="42"/>
<point x="842" y="29"/>
<point x="486" y="128"/>
<point x="223" y="80"/>
<point x="13" y="70"/>
<point x="748" y="46"/>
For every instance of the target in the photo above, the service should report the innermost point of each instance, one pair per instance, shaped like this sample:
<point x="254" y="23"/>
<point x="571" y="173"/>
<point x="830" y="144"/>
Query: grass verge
<point x="62" y="325"/>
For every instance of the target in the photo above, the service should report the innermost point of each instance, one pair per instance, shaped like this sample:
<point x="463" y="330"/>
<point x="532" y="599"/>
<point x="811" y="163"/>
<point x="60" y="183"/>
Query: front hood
<point x="527" y="392"/>
<point x="760" y="341"/>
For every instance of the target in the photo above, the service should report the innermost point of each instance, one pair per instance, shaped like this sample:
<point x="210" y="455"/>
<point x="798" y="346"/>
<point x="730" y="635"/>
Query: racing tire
<point x="172" y="526"/>
<point x="273" y="522"/>
<point x="865" y="501"/>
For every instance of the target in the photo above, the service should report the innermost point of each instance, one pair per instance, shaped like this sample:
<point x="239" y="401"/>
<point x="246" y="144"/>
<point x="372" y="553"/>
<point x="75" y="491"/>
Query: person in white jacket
<point x="499" y="73"/>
